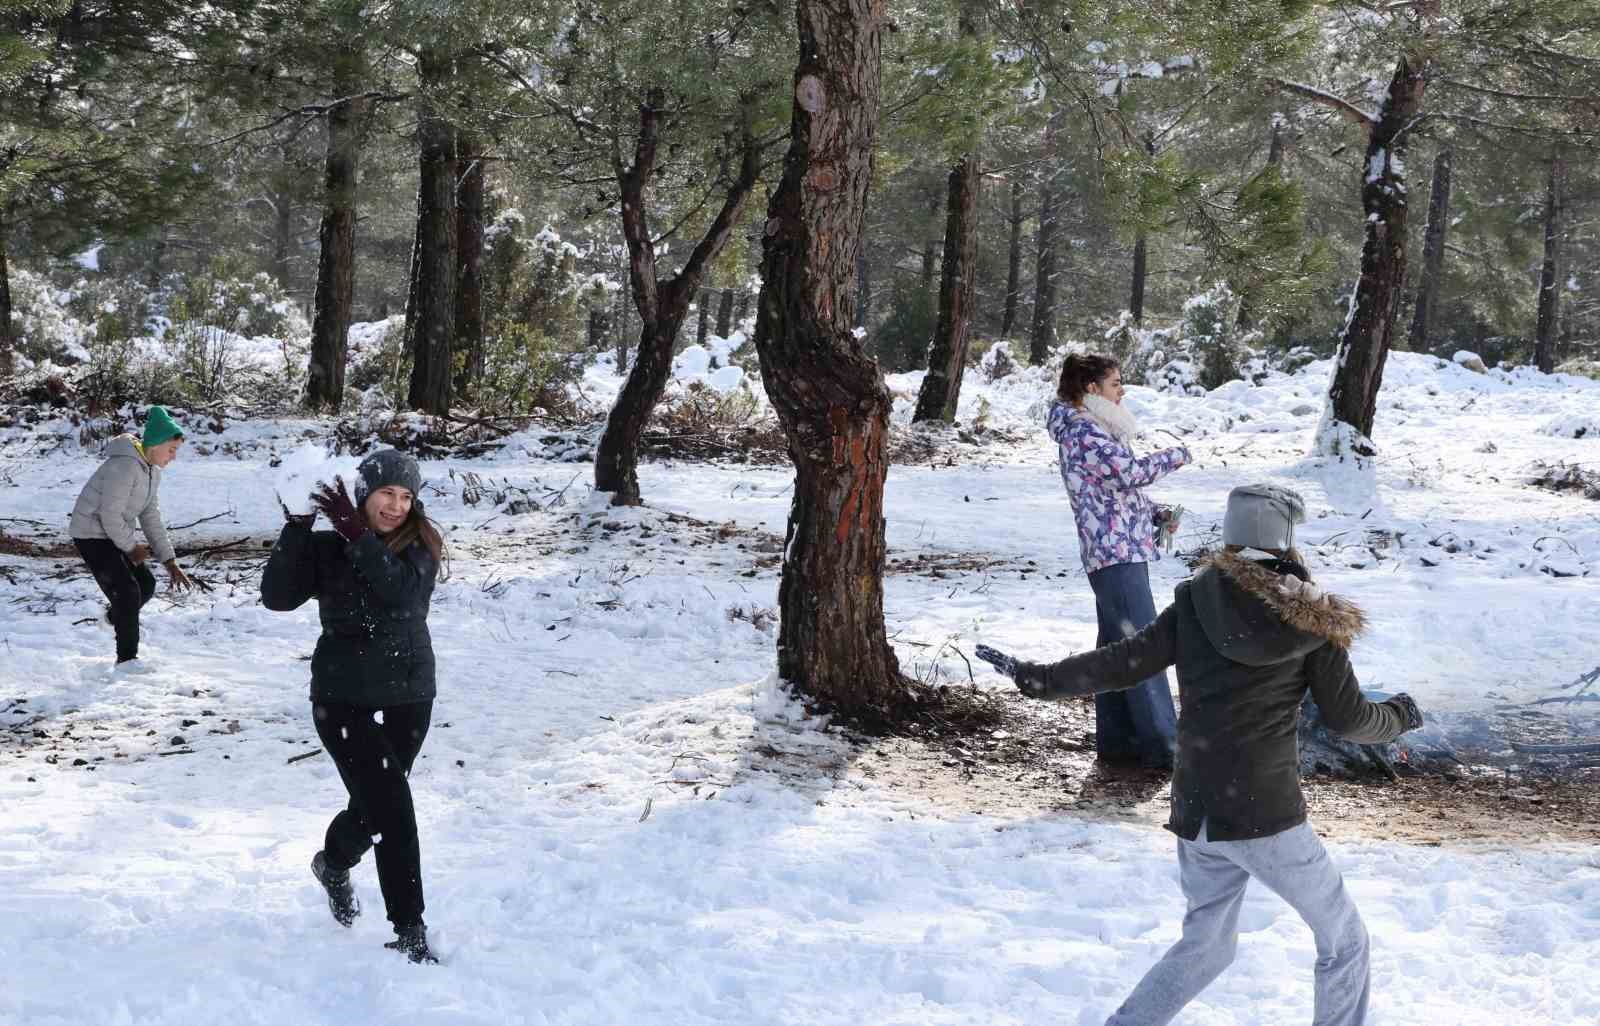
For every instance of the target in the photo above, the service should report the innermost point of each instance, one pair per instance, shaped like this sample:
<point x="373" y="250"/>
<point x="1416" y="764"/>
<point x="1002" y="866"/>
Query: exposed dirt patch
<point x="1040" y="760"/>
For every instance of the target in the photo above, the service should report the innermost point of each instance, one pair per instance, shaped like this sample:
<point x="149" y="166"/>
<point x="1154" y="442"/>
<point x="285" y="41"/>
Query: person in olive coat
<point x="1250" y="635"/>
<point x="372" y="673"/>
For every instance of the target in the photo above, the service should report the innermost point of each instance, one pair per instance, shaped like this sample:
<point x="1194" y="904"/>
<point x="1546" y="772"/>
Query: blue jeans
<point x="1141" y="722"/>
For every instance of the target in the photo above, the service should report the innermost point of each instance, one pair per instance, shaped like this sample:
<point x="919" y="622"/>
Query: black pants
<point x="128" y="587"/>
<point x="374" y="758"/>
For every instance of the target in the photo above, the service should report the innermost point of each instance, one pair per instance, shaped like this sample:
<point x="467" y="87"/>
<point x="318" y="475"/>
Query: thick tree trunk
<point x="434" y="286"/>
<point x="336" y="256"/>
<point x="662" y="305"/>
<point x="1369" y="328"/>
<point x="705" y="317"/>
<point x="8" y="336"/>
<point x="1013" y="260"/>
<point x="1549" y="326"/>
<point x="1432" y="254"/>
<point x="827" y="393"/>
<point x="947" y="356"/>
<point x="725" y="314"/>
<point x="470" y="189"/>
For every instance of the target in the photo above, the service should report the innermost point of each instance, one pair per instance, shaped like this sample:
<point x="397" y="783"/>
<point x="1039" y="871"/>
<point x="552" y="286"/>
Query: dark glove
<point x="1025" y="675"/>
<point x="299" y="519"/>
<point x="1408" y="709"/>
<point x="335" y="504"/>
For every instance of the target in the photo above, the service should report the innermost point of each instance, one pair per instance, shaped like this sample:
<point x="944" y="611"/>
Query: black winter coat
<point x="374" y="650"/>
<point x="1247" y="643"/>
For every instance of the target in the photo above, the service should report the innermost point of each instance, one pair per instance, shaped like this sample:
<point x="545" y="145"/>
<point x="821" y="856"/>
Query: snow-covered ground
<point x="625" y="820"/>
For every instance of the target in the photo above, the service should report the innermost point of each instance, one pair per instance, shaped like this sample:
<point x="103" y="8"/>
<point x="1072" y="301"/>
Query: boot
<point x="412" y="941"/>
<point x="341" y="896"/>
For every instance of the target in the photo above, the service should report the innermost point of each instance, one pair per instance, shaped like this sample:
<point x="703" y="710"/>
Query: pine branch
<point x="1337" y="104"/>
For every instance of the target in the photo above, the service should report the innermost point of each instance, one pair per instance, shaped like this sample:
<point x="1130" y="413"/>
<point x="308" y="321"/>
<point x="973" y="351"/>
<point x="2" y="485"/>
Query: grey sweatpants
<point x="1214" y="874"/>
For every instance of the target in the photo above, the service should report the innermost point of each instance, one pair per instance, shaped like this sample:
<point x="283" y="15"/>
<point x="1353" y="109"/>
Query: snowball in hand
<point x="303" y="468"/>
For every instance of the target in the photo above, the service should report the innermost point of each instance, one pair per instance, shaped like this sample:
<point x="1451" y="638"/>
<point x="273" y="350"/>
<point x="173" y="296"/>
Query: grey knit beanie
<point x="384" y="468"/>
<point x="1262" y="516"/>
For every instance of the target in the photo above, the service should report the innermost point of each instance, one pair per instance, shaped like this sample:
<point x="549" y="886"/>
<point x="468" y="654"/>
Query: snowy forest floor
<point x="623" y="819"/>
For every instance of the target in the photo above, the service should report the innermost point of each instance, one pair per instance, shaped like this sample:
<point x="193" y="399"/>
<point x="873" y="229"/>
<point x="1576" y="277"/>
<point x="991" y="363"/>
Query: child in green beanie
<point x="119" y="496"/>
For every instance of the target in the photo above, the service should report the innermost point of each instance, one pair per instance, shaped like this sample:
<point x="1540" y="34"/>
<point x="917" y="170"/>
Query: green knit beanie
<point x="159" y="427"/>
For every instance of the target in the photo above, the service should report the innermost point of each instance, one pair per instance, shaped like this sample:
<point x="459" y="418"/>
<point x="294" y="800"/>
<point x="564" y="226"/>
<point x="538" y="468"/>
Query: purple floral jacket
<point x="1105" y="481"/>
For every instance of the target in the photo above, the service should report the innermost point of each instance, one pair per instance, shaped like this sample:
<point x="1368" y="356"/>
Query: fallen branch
<point x="303" y="756"/>
<point x="202" y="520"/>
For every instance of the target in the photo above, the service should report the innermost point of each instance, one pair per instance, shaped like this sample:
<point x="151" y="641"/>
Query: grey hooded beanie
<point x="1262" y="516"/>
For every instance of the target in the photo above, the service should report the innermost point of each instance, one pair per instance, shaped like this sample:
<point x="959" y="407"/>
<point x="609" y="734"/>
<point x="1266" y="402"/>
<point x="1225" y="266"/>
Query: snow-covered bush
<point x="1202" y="351"/>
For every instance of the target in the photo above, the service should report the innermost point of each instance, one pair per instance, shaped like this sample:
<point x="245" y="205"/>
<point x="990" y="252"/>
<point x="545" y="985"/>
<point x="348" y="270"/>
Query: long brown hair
<point x="419" y="527"/>
<point x="1079" y="371"/>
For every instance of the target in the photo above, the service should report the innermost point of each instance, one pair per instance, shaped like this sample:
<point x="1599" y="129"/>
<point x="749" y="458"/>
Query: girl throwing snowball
<point x="372" y="677"/>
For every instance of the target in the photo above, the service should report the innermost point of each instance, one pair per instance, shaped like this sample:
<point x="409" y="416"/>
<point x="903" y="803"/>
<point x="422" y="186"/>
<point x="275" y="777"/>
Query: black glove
<point x="300" y="519"/>
<point x="335" y="504"/>
<point x="1025" y="675"/>
<point x="1408" y="709"/>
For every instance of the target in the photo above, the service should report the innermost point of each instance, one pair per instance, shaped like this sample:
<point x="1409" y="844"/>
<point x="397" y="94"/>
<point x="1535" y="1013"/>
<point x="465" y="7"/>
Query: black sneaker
<point x="412" y="941"/>
<point x="341" y="896"/>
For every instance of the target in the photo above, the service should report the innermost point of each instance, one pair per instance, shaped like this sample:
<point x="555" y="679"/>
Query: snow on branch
<point x="1326" y="99"/>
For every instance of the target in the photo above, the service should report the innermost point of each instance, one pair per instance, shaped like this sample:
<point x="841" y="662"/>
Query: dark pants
<point x="1141" y="722"/>
<point x="374" y="760"/>
<point x="128" y="588"/>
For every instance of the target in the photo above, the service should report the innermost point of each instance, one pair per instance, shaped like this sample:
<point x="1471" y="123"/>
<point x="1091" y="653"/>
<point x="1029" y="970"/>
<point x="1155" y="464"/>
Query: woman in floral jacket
<point x="1117" y="527"/>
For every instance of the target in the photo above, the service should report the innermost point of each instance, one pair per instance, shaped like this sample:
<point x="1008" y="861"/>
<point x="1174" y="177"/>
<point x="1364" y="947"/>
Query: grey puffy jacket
<point x="121" y="495"/>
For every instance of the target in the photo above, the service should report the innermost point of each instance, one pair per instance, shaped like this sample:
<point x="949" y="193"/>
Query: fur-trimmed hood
<point x="1260" y="613"/>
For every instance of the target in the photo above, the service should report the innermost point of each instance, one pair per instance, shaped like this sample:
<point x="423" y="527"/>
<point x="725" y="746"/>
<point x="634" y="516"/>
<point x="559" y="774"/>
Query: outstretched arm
<point x="1114" y="667"/>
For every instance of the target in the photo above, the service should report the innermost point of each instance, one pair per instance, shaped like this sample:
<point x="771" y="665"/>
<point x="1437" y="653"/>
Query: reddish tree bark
<point x="827" y="392"/>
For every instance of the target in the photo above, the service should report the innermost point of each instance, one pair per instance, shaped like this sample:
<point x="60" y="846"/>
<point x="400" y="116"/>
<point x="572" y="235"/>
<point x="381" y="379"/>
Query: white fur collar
<point x="1116" y="420"/>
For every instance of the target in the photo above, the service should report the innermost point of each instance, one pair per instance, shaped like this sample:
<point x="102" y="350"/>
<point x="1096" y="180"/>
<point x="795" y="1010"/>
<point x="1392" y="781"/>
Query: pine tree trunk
<point x="1013" y="260"/>
<point x="1044" y="278"/>
<point x="624" y="304"/>
<point x="336" y="255"/>
<point x="827" y="392"/>
<point x="1136" y="299"/>
<point x="662" y="305"/>
<point x="1549" y="326"/>
<point x="947" y="356"/>
<point x="705" y="317"/>
<point x="434" y="287"/>
<point x="1432" y="254"/>
<point x="725" y="314"/>
<point x="8" y="337"/>
<point x="1369" y="329"/>
<point x="282" y="240"/>
<point x="744" y="306"/>
<point x="470" y="188"/>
